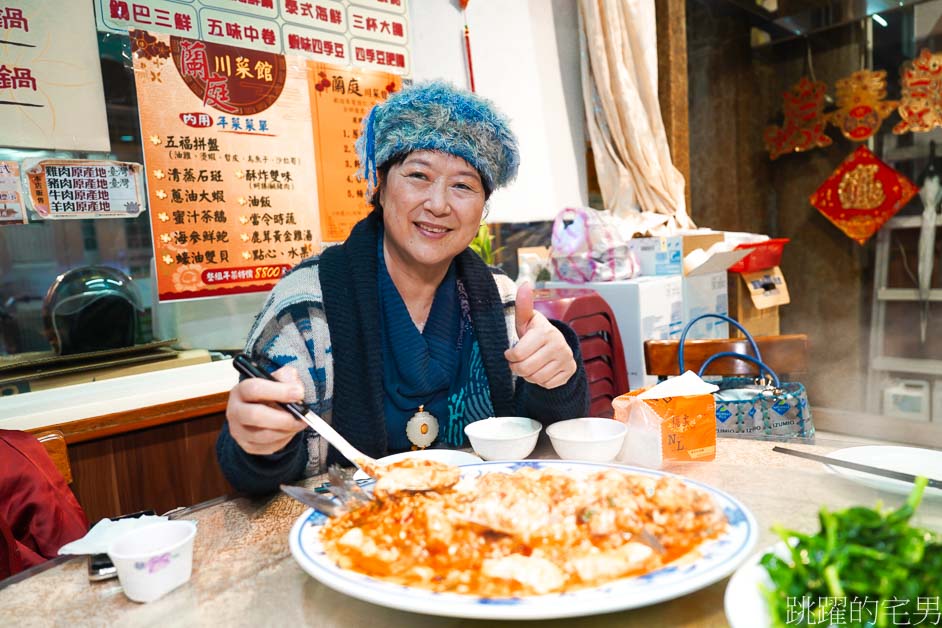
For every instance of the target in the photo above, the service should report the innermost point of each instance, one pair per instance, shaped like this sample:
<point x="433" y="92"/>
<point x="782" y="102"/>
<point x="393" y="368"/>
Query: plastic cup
<point x="155" y="559"/>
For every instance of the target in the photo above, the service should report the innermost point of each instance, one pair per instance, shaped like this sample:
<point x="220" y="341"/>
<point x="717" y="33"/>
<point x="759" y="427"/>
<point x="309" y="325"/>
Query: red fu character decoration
<point x="862" y="194"/>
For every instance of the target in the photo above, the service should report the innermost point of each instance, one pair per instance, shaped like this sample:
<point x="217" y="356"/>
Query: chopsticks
<point x="896" y="475"/>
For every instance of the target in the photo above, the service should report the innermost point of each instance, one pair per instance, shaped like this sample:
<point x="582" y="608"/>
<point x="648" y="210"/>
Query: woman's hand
<point x="542" y="356"/>
<point x="259" y="426"/>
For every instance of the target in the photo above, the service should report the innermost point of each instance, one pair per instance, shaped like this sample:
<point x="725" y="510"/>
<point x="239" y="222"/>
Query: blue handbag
<point x="758" y="407"/>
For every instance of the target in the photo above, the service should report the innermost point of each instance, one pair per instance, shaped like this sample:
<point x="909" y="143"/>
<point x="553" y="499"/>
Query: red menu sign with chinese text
<point x="229" y="164"/>
<point x="339" y="102"/>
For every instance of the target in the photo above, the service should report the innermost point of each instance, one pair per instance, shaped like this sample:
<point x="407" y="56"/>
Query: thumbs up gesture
<point x="541" y="356"/>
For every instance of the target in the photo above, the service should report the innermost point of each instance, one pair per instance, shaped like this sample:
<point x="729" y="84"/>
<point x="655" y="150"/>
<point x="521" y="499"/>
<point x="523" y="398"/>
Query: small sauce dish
<point x="590" y="439"/>
<point x="503" y="437"/>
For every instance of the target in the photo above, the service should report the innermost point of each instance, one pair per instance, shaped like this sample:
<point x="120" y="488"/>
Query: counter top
<point x="34" y="410"/>
<point x="244" y="574"/>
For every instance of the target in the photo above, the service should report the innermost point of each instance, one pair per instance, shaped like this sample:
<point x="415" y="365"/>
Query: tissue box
<point x="667" y="429"/>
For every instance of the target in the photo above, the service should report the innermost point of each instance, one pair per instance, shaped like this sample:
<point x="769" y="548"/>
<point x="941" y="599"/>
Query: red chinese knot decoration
<point x="921" y="105"/>
<point x="862" y="194"/>
<point x="804" y="120"/>
<point x="861" y="105"/>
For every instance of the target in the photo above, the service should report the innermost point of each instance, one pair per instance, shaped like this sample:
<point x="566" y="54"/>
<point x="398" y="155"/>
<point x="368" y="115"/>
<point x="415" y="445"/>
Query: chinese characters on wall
<point x="61" y="188"/>
<point x="360" y="34"/>
<point x="339" y="102"/>
<point x="51" y="92"/>
<point x="230" y="164"/>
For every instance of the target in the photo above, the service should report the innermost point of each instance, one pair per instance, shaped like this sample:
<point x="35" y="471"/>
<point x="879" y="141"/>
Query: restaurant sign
<point x="370" y="34"/>
<point x="229" y="164"/>
<point x="64" y="189"/>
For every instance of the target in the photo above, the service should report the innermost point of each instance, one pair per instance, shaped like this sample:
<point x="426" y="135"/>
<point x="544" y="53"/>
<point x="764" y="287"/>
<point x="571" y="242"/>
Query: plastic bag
<point x="587" y="246"/>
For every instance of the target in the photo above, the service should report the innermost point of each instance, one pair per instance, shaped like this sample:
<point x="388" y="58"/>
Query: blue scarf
<point x="440" y="368"/>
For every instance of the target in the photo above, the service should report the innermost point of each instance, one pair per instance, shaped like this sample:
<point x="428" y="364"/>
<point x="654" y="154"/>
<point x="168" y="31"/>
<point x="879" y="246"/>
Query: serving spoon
<point x="404" y="475"/>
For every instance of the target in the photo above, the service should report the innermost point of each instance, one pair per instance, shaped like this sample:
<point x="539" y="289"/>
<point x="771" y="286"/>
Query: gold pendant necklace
<point x="422" y="429"/>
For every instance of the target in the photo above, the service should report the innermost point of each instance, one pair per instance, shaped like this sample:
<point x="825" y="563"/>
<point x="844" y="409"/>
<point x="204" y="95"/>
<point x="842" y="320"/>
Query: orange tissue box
<point x="666" y="429"/>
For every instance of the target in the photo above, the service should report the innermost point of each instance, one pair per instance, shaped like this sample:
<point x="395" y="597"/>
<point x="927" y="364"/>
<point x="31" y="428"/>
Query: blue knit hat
<point x="437" y="116"/>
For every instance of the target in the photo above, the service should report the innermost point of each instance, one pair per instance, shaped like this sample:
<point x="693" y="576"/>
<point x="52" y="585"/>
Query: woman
<point x="402" y="316"/>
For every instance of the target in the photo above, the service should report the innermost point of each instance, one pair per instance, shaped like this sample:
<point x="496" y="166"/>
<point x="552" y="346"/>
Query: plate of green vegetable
<point x="866" y="567"/>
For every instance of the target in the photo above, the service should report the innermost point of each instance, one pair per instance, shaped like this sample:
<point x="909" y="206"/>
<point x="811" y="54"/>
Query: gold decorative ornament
<point x="805" y="120"/>
<point x="861" y="106"/>
<point x="860" y="189"/>
<point x="921" y="104"/>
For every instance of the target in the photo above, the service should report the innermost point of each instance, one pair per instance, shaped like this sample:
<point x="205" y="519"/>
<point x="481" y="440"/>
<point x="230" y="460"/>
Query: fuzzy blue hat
<point x="437" y="116"/>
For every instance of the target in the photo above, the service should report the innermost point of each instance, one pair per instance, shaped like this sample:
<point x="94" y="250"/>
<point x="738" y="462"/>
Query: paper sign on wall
<point x="229" y="163"/>
<point x="12" y="211"/>
<point x="372" y="34"/>
<point x="340" y="99"/>
<point x="65" y="189"/>
<point x="51" y="92"/>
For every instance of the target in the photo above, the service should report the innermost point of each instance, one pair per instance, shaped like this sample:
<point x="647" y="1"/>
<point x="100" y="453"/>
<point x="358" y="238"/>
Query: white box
<point x="706" y="294"/>
<point x="645" y="308"/>
<point x="664" y="255"/>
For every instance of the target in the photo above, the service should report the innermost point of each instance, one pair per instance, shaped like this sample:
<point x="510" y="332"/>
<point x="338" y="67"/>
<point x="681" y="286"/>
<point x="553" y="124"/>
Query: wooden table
<point x="243" y="573"/>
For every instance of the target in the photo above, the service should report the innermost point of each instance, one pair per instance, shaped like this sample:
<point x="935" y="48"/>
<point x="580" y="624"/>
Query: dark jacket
<point x="323" y="318"/>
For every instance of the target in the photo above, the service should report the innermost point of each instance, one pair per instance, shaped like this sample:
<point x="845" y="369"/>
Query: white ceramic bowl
<point x="590" y="439"/>
<point x="154" y="559"/>
<point x="503" y="437"/>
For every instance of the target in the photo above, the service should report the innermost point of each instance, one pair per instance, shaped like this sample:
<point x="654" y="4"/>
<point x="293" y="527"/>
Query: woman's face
<point x="432" y="207"/>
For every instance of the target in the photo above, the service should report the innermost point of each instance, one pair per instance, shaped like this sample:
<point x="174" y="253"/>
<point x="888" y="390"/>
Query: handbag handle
<point x="723" y="317"/>
<point x="741" y="356"/>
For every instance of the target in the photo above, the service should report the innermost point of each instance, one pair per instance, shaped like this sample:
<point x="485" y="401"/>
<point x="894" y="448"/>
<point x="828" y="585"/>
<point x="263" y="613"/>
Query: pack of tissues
<point x="672" y="421"/>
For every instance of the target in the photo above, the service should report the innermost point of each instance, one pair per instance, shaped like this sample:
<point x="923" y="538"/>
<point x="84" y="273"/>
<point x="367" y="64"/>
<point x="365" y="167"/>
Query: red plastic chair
<point x="594" y="322"/>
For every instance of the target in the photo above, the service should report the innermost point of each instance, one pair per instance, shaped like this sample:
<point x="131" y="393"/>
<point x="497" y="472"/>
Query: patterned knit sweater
<point x="322" y="318"/>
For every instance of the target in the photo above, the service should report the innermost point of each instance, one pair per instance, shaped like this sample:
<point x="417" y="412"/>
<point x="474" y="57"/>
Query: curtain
<point x="618" y="50"/>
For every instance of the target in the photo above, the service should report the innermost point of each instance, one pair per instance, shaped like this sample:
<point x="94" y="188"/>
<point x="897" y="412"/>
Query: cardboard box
<point x="755" y="298"/>
<point x="705" y="291"/>
<point x="645" y="308"/>
<point x="665" y="255"/>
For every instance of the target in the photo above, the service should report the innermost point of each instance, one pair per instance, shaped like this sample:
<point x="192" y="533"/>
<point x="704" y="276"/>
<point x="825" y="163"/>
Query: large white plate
<point x="448" y="456"/>
<point x="717" y="559"/>
<point x="743" y="602"/>
<point x="912" y="460"/>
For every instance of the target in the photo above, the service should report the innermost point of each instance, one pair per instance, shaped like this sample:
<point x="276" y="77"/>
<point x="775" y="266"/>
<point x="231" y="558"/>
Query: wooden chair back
<point x="54" y="442"/>
<point x="786" y="355"/>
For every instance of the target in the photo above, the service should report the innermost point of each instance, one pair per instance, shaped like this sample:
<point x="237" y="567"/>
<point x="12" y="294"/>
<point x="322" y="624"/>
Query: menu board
<point x="339" y="102"/>
<point x="12" y="211"/>
<point x="67" y="188"/>
<point x="229" y="163"/>
<point x="372" y="34"/>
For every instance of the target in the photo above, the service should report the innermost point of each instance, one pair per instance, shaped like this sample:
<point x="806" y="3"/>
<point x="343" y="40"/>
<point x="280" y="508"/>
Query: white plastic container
<point x="155" y="559"/>
<point x="907" y="399"/>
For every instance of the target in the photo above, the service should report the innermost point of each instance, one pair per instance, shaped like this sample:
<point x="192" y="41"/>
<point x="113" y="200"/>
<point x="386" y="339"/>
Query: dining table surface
<point x="245" y="575"/>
